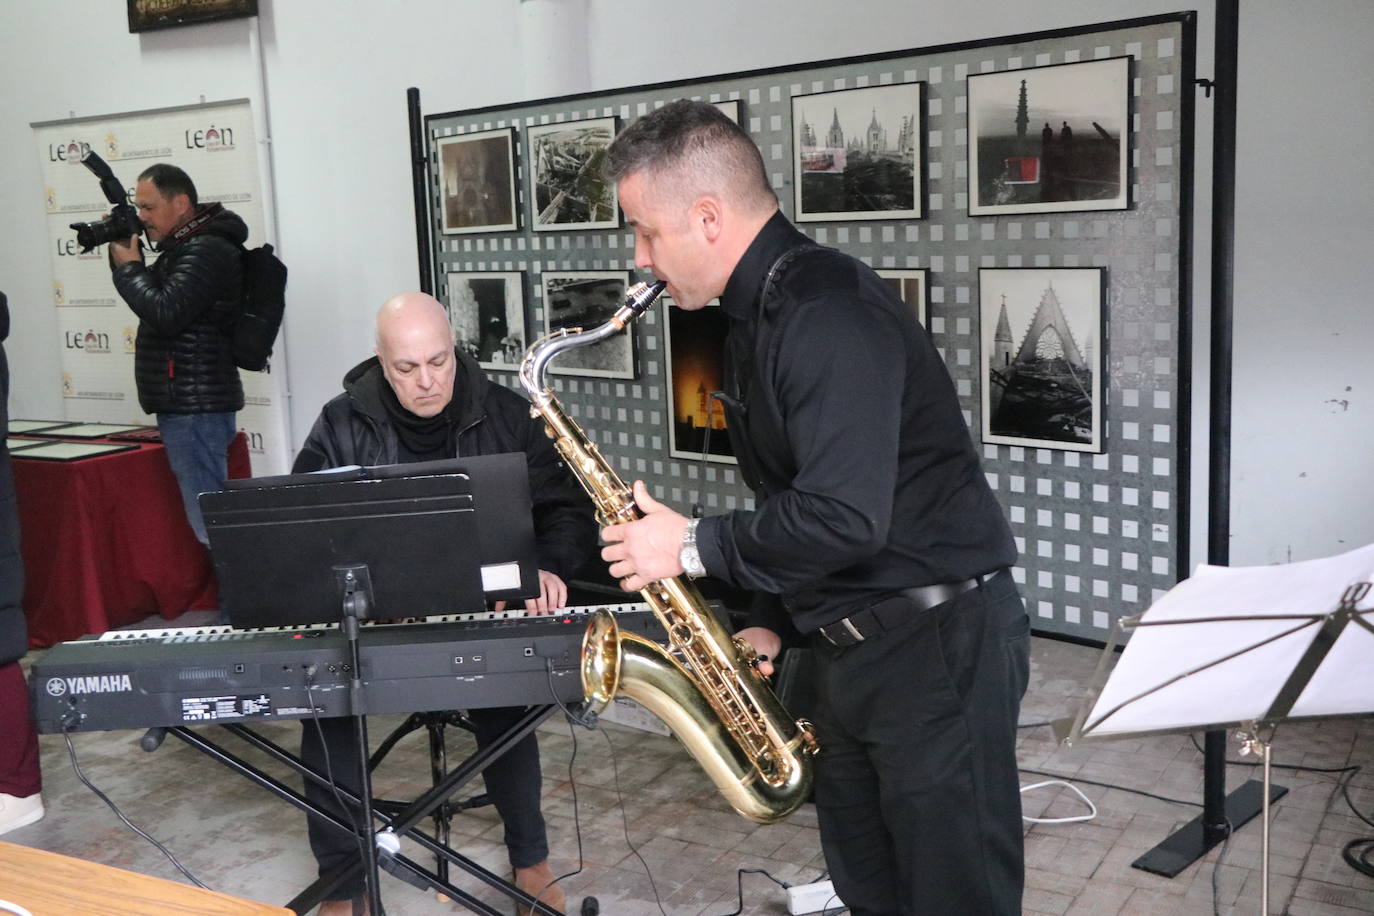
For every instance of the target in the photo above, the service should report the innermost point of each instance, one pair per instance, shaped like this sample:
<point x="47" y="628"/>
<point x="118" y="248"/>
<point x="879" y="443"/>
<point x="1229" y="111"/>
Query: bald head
<point x="415" y="348"/>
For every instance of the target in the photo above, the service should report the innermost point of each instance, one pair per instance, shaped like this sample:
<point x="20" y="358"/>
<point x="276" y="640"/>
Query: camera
<point x="123" y="220"/>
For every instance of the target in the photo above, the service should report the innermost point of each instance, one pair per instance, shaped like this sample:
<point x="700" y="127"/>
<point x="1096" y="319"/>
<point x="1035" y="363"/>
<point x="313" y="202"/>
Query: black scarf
<point x="420" y="438"/>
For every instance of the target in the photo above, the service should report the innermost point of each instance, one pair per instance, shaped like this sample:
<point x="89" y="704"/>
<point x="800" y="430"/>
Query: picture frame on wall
<point x="1050" y="139"/>
<point x="856" y="153"/>
<point x="1043" y="334"/>
<point x="148" y="15"/>
<point x="477" y="182"/>
<point x="568" y="187"/>
<point x="911" y="286"/>
<point x="729" y="108"/>
<point x="695" y="343"/>
<point x="486" y="310"/>
<point x="587" y="299"/>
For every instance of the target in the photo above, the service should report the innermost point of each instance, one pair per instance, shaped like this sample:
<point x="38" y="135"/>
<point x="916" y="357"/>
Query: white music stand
<point x="1245" y="647"/>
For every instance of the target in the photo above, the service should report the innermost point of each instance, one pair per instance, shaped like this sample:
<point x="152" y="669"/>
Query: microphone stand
<point x="356" y="606"/>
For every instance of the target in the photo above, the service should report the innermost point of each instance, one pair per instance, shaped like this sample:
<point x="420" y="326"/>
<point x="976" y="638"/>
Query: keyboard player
<point x="421" y="398"/>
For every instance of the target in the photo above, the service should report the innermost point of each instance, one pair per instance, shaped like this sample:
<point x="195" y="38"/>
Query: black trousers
<point x="917" y="792"/>
<point x="513" y="782"/>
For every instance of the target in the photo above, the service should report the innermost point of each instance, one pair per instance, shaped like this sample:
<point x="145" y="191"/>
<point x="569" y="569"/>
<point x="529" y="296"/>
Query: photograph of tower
<point x="695" y="342"/>
<point x="477" y="181"/>
<point x="1049" y="139"/>
<point x="856" y="153"/>
<point x="1042" y="333"/>
<point x="568" y="189"/>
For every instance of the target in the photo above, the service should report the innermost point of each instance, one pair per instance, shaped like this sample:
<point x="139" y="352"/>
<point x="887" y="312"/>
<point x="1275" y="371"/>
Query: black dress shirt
<point x="849" y="431"/>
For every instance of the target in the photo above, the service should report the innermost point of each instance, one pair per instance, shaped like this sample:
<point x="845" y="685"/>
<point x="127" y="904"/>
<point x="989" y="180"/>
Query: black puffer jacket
<point x="354" y="428"/>
<point x="14" y="641"/>
<point x="186" y="303"/>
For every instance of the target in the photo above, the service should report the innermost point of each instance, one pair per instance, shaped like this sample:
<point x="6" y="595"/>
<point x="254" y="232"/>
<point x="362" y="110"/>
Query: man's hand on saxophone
<point x="646" y="549"/>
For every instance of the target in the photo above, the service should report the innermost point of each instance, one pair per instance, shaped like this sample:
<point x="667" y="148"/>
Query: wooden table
<point x="48" y="884"/>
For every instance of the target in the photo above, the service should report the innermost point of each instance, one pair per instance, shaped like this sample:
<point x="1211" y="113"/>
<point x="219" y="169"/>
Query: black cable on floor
<point x="1108" y="785"/>
<point x="1361" y="863"/>
<point x="739" y="886"/>
<point x="71" y="751"/>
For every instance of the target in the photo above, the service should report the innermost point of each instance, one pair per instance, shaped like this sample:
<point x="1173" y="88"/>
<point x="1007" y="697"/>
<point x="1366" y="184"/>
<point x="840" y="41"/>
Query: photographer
<point x="186" y="303"/>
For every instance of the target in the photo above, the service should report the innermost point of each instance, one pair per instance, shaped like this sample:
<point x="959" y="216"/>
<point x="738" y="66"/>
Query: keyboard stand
<point x="402" y="823"/>
<point x="434" y="724"/>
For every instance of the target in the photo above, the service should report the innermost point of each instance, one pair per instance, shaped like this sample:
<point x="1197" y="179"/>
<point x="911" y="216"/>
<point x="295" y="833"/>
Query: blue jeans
<point x="198" y="450"/>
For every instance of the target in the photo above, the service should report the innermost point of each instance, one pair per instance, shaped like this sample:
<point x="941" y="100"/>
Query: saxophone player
<point x="875" y="531"/>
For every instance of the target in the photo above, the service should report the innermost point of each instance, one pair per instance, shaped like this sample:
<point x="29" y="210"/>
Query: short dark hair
<point x="692" y="147"/>
<point x="171" y="181"/>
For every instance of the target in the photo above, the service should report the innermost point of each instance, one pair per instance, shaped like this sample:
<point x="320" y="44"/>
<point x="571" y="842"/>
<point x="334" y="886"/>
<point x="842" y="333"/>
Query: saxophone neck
<point x="535" y="364"/>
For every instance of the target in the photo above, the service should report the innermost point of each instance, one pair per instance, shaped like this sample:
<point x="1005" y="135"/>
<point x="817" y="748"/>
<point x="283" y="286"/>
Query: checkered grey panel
<point x="1099" y="534"/>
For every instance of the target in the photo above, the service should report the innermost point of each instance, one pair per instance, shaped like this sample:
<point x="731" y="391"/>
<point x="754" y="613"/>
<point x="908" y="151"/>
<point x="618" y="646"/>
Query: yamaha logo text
<point x="99" y="683"/>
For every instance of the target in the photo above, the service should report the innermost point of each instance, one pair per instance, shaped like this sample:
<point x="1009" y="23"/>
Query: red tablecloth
<point x="106" y="542"/>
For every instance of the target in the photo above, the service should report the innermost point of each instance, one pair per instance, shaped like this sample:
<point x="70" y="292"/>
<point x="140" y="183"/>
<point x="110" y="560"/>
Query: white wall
<point x="1304" y="419"/>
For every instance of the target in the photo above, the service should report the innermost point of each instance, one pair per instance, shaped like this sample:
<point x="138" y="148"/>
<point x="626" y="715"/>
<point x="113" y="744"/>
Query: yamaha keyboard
<point x="208" y="675"/>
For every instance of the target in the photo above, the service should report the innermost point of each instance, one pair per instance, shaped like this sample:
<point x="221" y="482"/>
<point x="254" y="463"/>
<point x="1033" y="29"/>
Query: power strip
<point x="812" y="898"/>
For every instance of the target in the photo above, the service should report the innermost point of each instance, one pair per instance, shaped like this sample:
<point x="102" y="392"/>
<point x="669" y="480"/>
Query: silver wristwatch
<point x="687" y="554"/>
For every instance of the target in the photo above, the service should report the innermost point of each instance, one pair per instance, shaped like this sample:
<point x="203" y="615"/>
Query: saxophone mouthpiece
<point x="640" y="296"/>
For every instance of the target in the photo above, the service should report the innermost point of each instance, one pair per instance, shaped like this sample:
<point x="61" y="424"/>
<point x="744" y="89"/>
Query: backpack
<point x="261" y="307"/>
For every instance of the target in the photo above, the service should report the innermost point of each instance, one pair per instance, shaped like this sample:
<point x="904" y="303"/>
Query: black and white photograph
<point x="477" y="182"/>
<point x="695" y="343"/>
<point x="1042" y="337"/>
<point x="568" y="189"/>
<point x="910" y="285"/>
<point x="1049" y="139"/>
<point x="587" y="299"/>
<point x="487" y="313"/>
<point x="857" y="153"/>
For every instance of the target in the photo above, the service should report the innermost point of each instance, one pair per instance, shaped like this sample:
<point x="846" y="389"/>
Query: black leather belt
<point x="894" y="611"/>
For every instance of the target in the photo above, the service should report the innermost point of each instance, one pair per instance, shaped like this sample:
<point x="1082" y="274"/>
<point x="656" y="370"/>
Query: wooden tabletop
<point x="48" y="884"/>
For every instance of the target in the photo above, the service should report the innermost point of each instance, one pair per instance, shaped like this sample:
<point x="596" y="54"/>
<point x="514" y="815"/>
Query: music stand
<point x="387" y="542"/>
<point x="1245" y="647"/>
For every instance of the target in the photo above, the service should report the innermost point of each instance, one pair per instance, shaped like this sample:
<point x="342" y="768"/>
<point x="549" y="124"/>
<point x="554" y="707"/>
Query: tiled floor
<point x="655" y="837"/>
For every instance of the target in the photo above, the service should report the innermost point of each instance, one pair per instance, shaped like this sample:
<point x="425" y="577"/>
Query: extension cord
<point x="811" y="898"/>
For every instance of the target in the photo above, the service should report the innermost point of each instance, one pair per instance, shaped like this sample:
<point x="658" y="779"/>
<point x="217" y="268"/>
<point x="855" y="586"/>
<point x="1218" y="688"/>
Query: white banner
<point x="216" y="145"/>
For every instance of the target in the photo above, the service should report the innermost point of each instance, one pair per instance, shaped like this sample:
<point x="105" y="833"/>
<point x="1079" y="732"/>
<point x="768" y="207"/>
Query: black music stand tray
<point x="1245" y="647"/>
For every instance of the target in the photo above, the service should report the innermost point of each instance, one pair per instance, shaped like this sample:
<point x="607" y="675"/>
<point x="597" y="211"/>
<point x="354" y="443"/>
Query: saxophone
<point x="705" y="688"/>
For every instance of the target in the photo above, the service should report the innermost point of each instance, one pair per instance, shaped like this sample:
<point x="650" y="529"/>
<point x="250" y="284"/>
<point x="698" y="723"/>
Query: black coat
<point x="354" y="428"/>
<point x="186" y="303"/>
<point x="14" y="639"/>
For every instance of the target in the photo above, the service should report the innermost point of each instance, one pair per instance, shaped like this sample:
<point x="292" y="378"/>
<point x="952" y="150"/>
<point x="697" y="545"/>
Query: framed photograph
<point x="1042" y="332"/>
<point x="486" y="310"/>
<point x="910" y="286"/>
<point x="730" y="108"/>
<point x="695" y="343"/>
<point x="567" y="187"/>
<point x="91" y="430"/>
<point x="57" y="450"/>
<point x="33" y="426"/>
<point x="587" y="299"/>
<point x="147" y="15"/>
<point x="1049" y="139"/>
<point x="477" y="182"/>
<point x="857" y="153"/>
